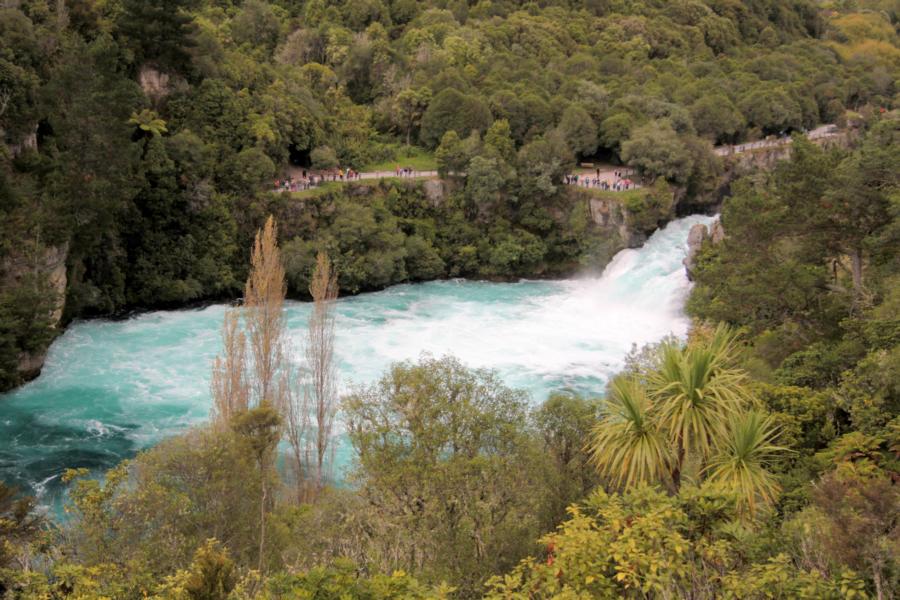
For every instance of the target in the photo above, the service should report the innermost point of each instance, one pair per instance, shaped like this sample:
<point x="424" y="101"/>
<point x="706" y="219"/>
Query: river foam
<point x="110" y="388"/>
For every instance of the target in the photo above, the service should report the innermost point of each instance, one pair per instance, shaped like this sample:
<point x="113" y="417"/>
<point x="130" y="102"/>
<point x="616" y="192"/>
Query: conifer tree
<point x="158" y="32"/>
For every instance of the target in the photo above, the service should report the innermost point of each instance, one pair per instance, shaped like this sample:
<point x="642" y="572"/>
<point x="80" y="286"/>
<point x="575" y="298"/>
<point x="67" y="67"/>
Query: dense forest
<point x="759" y="458"/>
<point x="140" y="141"/>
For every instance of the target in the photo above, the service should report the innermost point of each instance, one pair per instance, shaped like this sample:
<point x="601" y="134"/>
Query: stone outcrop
<point x="738" y="164"/>
<point x="434" y="191"/>
<point x="717" y="232"/>
<point x="358" y="189"/>
<point x="609" y="214"/>
<point x="54" y="264"/>
<point x="767" y="158"/>
<point x="698" y="234"/>
<point x="29" y="142"/>
<point x="155" y="83"/>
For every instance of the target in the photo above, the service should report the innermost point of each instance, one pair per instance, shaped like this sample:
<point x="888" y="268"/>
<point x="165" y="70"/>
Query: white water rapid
<point x="110" y="388"/>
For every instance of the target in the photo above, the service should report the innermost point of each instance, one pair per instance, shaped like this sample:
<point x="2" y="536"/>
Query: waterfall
<point x="111" y="388"/>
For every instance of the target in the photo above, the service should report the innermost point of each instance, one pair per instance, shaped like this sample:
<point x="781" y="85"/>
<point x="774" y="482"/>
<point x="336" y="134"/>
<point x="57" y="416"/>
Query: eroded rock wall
<point x="610" y="215"/>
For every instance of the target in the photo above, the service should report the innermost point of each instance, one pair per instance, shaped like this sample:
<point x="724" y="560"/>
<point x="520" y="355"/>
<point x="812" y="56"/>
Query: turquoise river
<point x="111" y="388"/>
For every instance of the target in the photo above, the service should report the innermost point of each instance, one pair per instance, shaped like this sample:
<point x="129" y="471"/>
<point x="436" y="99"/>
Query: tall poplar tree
<point x="251" y="381"/>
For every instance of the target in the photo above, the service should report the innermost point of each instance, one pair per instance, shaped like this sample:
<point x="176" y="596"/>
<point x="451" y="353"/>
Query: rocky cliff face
<point x="765" y="159"/>
<point x="611" y="215"/>
<point x="698" y="234"/>
<point x="435" y="191"/>
<point x="155" y="83"/>
<point x="613" y="219"/>
<point x="29" y="142"/>
<point x="740" y="164"/>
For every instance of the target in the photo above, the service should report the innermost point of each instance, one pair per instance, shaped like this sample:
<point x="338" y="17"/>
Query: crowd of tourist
<point x="621" y="181"/>
<point x="404" y="171"/>
<point x="308" y="180"/>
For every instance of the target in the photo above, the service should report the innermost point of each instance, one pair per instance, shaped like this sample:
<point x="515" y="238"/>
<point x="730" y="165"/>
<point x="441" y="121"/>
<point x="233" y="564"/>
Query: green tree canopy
<point x="446" y="462"/>
<point x="452" y="110"/>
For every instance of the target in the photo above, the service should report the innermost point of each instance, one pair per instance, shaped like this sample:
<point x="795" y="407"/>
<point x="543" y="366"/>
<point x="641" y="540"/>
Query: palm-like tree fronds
<point x="742" y="463"/>
<point x="627" y="444"/>
<point x="699" y="389"/>
<point x="148" y="122"/>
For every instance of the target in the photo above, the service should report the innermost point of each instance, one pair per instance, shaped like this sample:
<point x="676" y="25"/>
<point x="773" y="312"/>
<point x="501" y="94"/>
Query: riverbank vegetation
<point x="388" y="232"/>
<point x="759" y="458"/>
<point x="140" y="143"/>
<point x="756" y="459"/>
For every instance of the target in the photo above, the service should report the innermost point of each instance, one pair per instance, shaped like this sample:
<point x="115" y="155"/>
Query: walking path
<point x="597" y="176"/>
<point x="825" y="131"/>
<point x="299" y="179"/>
<point x="409" y="175"/>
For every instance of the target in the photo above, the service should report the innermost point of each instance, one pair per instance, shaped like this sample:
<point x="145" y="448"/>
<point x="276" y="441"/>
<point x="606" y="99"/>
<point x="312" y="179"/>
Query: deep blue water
<point x="111" y="388"/>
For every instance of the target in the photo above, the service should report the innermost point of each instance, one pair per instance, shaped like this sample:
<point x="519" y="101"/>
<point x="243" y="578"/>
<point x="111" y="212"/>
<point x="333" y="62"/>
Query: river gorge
<point x="111" y="388"/>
